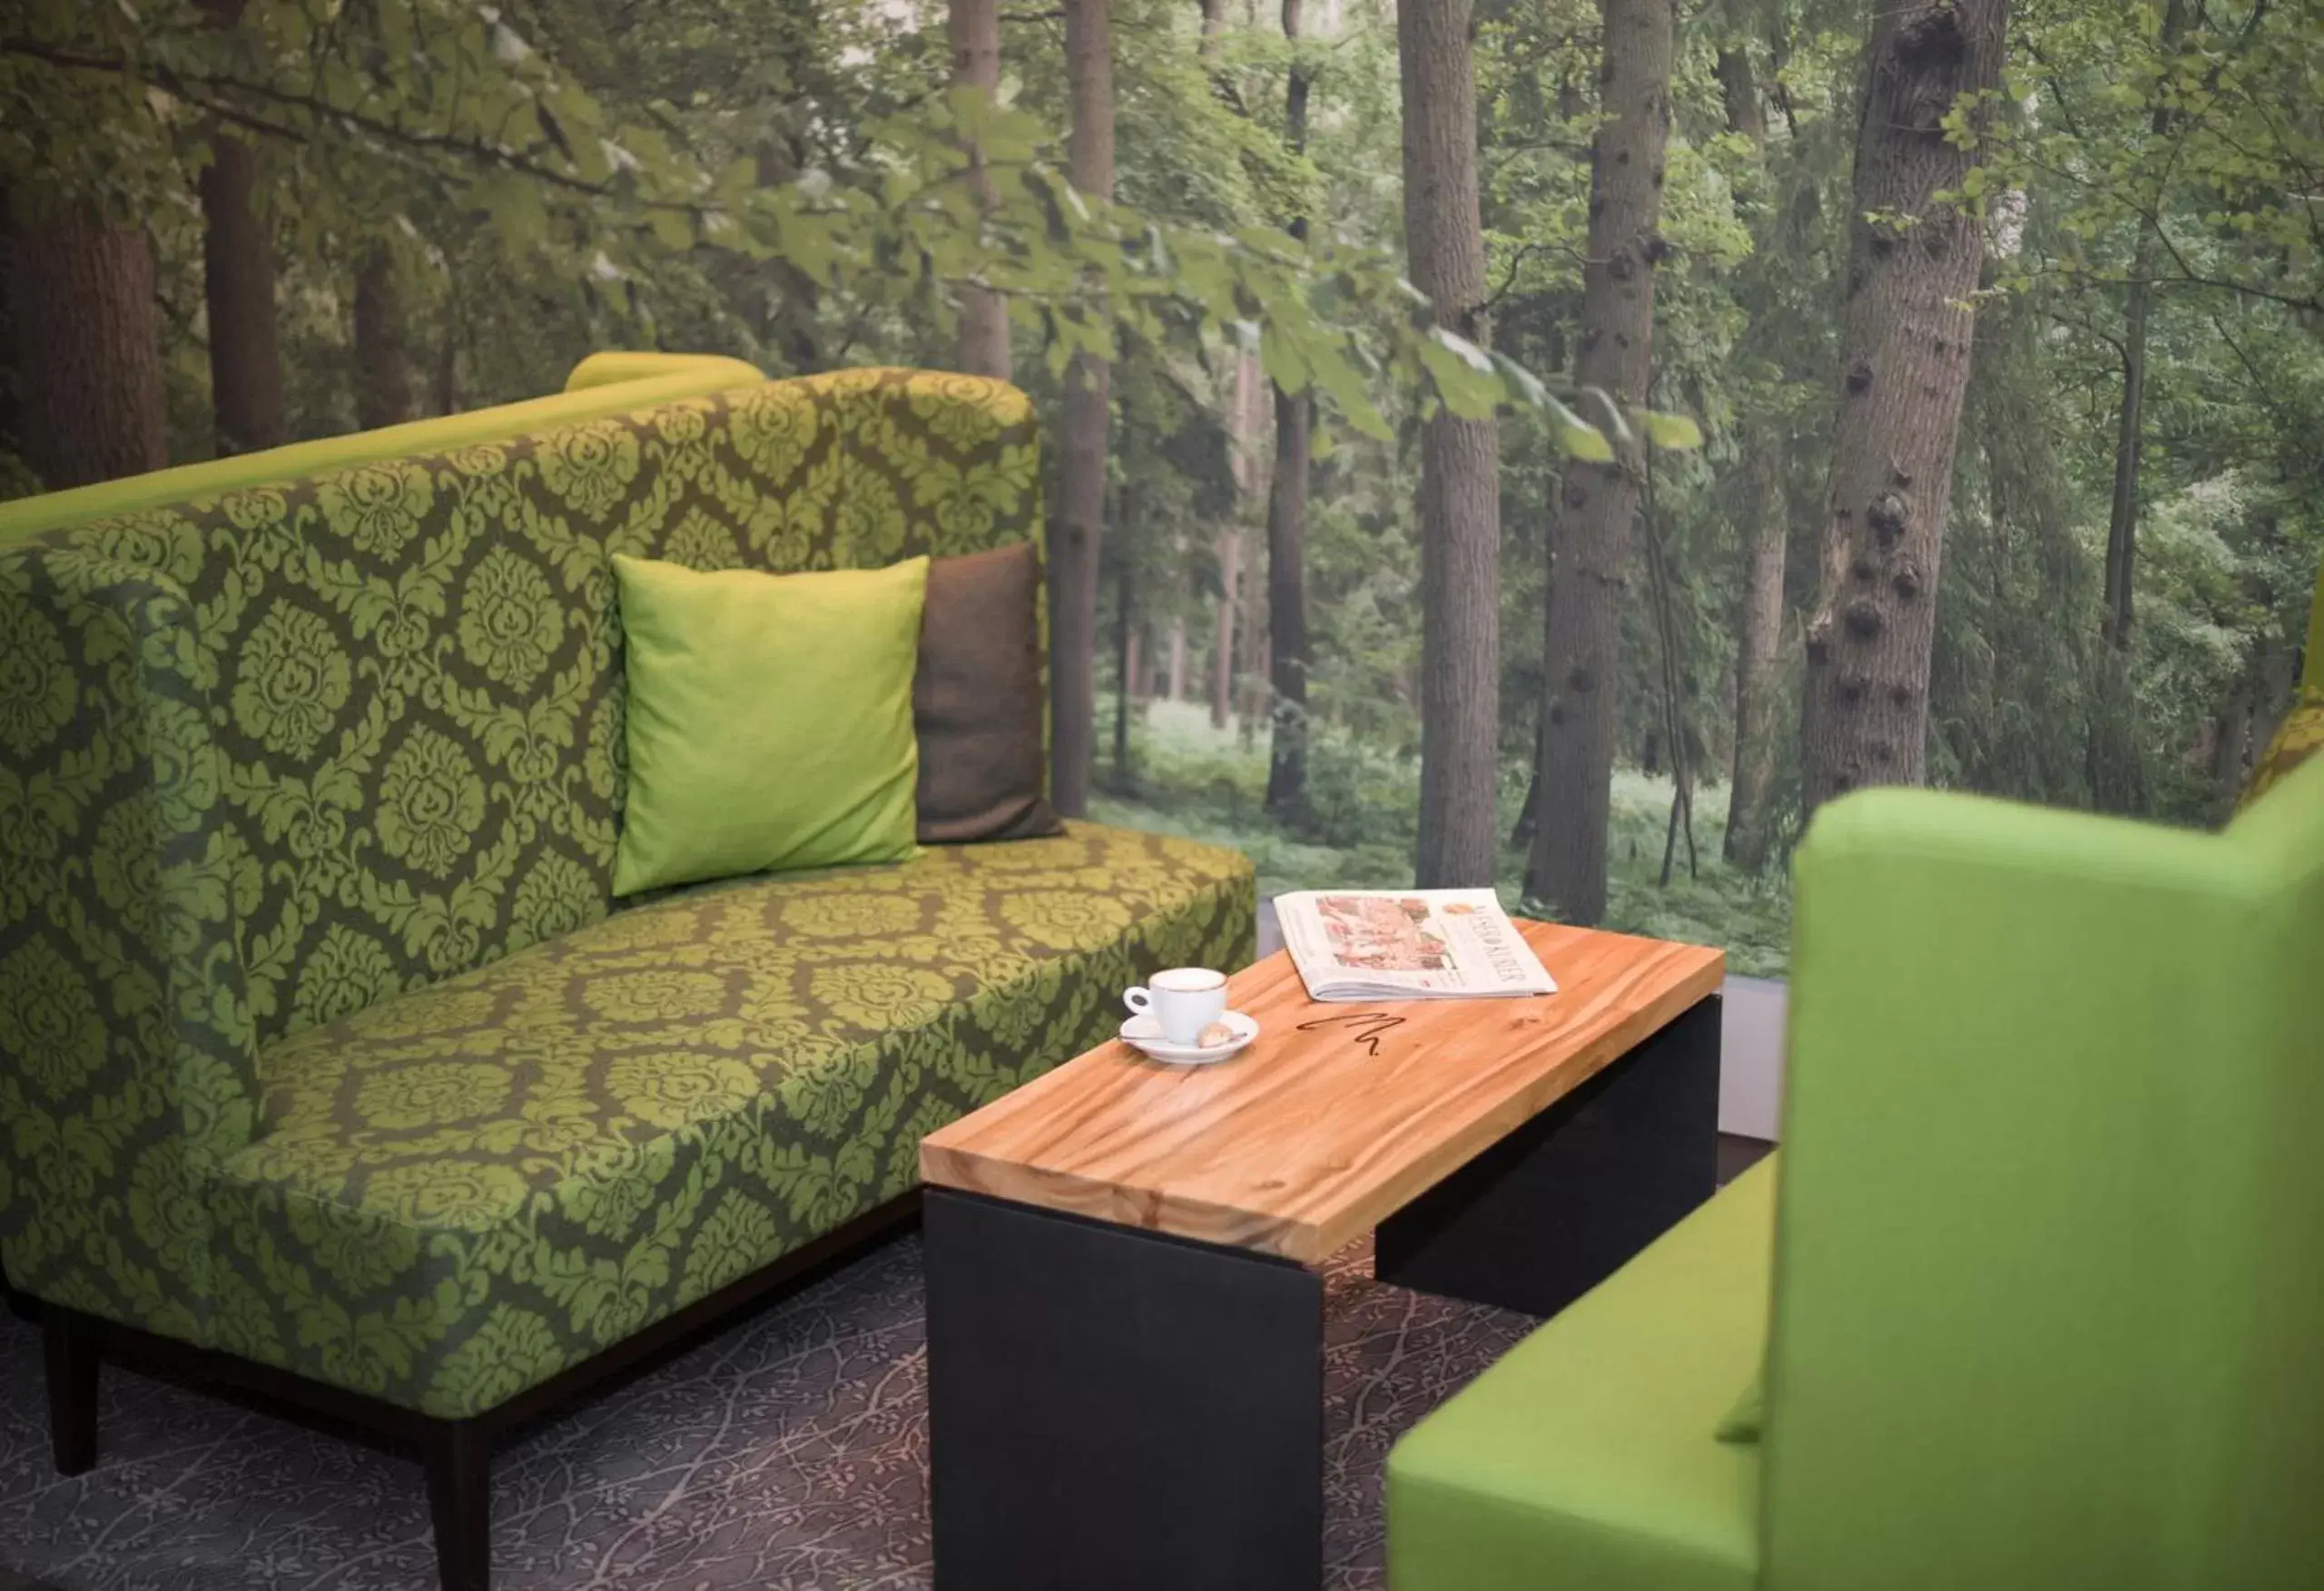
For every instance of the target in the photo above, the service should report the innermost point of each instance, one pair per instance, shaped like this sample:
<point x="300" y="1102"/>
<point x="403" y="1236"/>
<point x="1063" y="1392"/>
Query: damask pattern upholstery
<point x="270" y="760"/>
<point x="561" y="1146"/>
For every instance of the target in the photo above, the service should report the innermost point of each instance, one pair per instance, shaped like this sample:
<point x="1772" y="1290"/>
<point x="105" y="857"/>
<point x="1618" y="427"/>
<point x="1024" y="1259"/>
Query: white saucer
<point x="1144" y="1033"/>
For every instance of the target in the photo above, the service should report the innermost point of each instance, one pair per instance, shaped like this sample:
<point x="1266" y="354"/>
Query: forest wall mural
<point x="1551" y="443"/>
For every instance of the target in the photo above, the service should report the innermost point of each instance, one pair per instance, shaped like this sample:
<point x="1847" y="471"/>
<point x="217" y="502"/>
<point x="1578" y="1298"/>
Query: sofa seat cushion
<point x="1586" y="1458"/>
<point x="457" y="1192"/>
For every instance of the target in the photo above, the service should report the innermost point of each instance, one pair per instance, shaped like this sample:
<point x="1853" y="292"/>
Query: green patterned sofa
<point x="326" y="1055"/>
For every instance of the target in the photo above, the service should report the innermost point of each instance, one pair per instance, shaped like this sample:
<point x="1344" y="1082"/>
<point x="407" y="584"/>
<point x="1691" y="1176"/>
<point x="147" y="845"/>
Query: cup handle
<point x="1137" y="999"/>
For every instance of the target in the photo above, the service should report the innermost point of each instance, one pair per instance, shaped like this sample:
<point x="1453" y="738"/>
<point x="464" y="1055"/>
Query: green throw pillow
<point x="1744" y="1421"/>
<point x="770" y="720"/>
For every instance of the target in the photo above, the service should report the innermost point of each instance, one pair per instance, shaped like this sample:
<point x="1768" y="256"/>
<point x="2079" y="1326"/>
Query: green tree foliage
<point x="783" y="179"/>
<point x="2169" y="153"/>
<point x="637" y="158"/>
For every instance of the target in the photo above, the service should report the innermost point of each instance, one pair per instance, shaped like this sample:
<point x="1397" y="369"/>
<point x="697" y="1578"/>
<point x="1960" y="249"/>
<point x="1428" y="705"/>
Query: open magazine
<point x="1407" y="944"/>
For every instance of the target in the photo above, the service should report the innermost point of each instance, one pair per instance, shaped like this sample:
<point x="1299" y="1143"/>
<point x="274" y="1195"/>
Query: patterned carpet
<point x="790" y="1451"/>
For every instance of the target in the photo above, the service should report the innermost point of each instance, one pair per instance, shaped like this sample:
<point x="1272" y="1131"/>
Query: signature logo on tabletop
<point x="1369" y="1026"/>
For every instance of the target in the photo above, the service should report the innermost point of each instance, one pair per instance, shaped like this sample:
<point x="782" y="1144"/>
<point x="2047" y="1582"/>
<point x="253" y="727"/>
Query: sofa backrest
<point x="127" y="1042"/>
<point x="405" y="672"/>
<point x="2050" y="1252"/>
<point x="274" y="752"/>
<point x="604" y="383"/>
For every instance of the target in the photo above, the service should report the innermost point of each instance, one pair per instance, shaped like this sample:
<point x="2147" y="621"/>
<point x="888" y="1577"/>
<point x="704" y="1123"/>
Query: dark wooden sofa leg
<point x="71" y="1342"/>
<point x="22" y="1305"/>
<point x="458" y="1455"/>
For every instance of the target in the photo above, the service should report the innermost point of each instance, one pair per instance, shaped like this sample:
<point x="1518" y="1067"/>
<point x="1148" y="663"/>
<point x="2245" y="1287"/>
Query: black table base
<point x="1117" y="1409"/>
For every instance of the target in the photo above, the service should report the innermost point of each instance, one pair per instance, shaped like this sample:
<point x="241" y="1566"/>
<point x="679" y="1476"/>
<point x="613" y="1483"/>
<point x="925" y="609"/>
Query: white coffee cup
<point x="1184" y="1001"/>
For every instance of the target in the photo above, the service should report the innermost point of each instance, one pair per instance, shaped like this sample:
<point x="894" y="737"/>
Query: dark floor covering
<point x="789" y="1451"/>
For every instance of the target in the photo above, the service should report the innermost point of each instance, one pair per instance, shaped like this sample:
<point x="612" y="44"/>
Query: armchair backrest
<point x="2300" y="735"/>
<point x="2050" y="1254"/>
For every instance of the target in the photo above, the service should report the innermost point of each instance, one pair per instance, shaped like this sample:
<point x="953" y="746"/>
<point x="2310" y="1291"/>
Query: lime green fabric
<point x="2297" y="739"/>
<point x="1744" y="1421"/>
<point x="457" y="1193"/>
<point x="769" y="720"/>
<point x="1585" y="1458"/>
<point x="619" y="367"/>
<point x="281" y="751"/>
<point x="2048" y="1273"/>
<point x="602" y="384"/>
<point x="2300" y="736"/>
<point x="2314" y="679"/>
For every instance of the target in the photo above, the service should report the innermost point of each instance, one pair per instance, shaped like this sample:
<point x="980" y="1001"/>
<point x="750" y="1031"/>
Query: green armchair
<point x="2037" y="1282"/>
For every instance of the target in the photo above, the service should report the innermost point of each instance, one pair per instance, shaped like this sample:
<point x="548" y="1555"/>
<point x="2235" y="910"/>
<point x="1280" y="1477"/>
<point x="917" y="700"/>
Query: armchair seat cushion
<point x="1586" y="1458"/>
<point x="457" y="1192"/>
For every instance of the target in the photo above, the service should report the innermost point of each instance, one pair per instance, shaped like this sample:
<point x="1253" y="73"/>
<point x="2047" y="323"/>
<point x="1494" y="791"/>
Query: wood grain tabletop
<point x="1335" y="1116"/>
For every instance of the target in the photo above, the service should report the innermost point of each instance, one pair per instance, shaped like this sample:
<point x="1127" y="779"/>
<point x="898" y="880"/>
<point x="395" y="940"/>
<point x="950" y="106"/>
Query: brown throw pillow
<point x="977" y="701"/>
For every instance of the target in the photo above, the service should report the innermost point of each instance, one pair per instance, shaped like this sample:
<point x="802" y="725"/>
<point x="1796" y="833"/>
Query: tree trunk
<point x="1251" y="701"/>
<point x="1231" y="630"/>
<point x="1768" y="512"/>
<point x="1248" y="685"/>
<point x="1080" y="526"/>
<point x="2274" y="689"/>
<point x="1738" y="92"/>
<point x="1287" y="603"/>
<point x="1214" y="27"/>
<point x="1174" y="677"/>
<point x="2129" y="436"/>
<point x="2115" y="767"/>
<point x="238" y="283"/>
<point x="1125" y="674"/>
<point x="383" y="393"/>
<point x="89" y="343"/>
<point x="1598" y="510"/>
<point x="1767" y="519"/>
<point x="2130" y="444"/>
<point x="2111" y="760"/>
<point x="1904" y="363"/>
<point x="1222" y="645"/>
<point x="1520" y="833"/>
<point x="976" y="64"/>
<point x="1459" y="492"/>
<point x="446" y="396"/>
<point x="2231" y="742"/>
<point x="1287" y="524"/>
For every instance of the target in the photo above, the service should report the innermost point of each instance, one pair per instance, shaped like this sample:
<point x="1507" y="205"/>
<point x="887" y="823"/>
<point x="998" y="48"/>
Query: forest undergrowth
<point x="1189" y="778"/>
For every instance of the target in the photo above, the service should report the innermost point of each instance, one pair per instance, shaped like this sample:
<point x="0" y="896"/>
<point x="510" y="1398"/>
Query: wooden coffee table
<point x="1124" y="1314"/>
